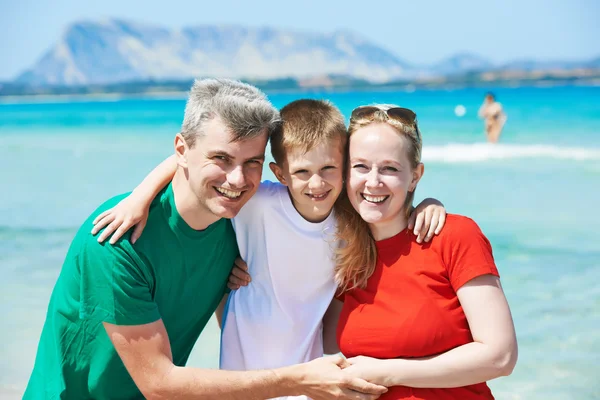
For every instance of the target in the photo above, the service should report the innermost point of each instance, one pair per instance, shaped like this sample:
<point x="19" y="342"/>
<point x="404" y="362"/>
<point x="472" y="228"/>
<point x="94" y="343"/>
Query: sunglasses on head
<point x="400" y="114"/>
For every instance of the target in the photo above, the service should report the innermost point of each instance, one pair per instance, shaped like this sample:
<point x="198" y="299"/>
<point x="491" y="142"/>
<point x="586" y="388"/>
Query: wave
<point x="465" y="153"/>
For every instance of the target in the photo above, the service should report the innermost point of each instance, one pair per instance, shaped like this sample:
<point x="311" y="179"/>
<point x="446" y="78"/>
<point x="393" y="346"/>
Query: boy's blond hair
<point x="307" y="123"/>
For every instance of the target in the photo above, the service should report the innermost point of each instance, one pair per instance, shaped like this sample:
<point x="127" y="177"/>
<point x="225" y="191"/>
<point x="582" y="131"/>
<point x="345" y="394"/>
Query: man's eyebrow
<point x="258" y="157"/>
<point x="220" y="153"/>
<point x="213" y="153"/>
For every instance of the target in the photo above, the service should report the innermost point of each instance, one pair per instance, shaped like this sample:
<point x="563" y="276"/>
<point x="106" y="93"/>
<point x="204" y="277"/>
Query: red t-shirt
<point x="410" y="309"/>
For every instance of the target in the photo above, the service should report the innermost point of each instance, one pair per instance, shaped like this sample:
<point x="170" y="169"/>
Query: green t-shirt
<point x="172" y="272"/>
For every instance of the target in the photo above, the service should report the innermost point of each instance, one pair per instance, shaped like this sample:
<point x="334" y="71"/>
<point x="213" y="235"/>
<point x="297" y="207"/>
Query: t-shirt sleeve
<point x="115" y="286"/>
<point x="466" y="252"/>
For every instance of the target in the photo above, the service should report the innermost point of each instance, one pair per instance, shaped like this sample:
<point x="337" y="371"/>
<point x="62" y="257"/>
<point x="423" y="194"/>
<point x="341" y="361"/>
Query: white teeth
<point x="318" y="196"/>
<point x="374" y="199"/>
<point x="228" y="193"/>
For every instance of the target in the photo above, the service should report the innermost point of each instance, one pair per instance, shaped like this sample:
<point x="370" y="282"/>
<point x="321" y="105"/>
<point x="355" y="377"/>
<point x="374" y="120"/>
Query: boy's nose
<point x="315" y="182"/>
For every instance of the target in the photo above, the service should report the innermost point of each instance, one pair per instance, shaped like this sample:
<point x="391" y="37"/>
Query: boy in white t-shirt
<point x="285" y="234"/>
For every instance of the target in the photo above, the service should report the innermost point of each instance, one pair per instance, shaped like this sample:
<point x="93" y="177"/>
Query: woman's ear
<point x="417" y="175"/>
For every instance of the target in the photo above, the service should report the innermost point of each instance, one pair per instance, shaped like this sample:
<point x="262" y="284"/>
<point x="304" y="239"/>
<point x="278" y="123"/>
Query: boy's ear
<point x="278" y="173"/>
<point x="181" y="149"/>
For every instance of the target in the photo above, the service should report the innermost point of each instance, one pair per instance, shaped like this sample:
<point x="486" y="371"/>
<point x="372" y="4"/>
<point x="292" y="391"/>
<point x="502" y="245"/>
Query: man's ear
<point x="181" y="149"/>
<point x="278" y="172"/>
<point x="417" y="175"/>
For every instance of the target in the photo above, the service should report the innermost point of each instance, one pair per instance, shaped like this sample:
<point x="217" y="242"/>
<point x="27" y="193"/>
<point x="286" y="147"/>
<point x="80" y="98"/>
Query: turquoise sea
<point x="536" y="195"/>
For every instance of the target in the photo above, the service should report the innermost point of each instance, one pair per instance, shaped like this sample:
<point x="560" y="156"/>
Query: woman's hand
<point x="370" y="369"/>
<point x="130" y="212"/>
<point x="427" y="219"/>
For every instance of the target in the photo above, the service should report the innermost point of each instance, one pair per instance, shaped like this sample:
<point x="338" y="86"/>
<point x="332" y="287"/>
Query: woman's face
<point x="380" y="178"/>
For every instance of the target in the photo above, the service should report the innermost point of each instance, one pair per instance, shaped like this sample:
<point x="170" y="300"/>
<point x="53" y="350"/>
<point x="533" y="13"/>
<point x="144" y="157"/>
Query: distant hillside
<point x="461" y="63"/>
<point x="116" y="55"/>
<point x="111" y="51"/>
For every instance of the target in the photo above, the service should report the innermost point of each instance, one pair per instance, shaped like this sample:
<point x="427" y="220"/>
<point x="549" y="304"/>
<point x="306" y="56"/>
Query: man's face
<point x="223" y="174"/>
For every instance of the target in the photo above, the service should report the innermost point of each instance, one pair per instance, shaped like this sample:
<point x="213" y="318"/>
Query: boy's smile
<point x="318" y="196"/>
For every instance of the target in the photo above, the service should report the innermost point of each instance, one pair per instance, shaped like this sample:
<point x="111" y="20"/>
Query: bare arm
<point x="330" y="321"/>
<point x="493" y="352"/>
<point x="146" y="353"/>
<point x="481" y="111"/>
<point x="133" y="210"/>
<point x="157" y="179"/>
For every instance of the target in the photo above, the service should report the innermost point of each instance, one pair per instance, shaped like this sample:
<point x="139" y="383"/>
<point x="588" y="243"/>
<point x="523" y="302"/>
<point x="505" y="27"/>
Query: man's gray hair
<point x="244" y="109"/>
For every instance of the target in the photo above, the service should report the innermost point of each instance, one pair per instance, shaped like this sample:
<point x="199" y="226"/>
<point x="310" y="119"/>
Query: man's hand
<point x="239" y="275"/>
<point x="324" y="378"/>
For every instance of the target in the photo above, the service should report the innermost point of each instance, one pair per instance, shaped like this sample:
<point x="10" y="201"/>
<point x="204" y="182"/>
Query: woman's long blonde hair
<point x="356" y="256"/>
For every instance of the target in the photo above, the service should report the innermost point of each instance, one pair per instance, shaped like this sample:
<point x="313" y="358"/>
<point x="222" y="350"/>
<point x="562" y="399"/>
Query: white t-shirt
<point x="276" y="320"/>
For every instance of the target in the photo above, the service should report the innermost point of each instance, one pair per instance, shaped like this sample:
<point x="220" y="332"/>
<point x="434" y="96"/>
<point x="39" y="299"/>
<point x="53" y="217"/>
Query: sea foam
<point x="465" y="153"/>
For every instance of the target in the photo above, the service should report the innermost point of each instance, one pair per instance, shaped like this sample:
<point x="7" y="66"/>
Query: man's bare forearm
<point x="195" y="383"/>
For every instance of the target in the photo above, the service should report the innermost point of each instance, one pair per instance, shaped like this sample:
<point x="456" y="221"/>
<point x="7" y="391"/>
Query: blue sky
<point x="422" y="31"/>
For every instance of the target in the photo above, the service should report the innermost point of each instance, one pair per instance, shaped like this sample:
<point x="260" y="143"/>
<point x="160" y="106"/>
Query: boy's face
<point x="314" y="179"/>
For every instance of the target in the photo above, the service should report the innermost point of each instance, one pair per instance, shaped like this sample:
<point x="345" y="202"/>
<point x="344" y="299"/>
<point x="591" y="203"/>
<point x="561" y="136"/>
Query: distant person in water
<point x="492" y="113"/>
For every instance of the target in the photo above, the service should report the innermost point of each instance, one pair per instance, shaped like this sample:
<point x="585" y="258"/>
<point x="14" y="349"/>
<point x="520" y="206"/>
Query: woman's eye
<point x="359" y="166"/>
<point x="390" y="169"/>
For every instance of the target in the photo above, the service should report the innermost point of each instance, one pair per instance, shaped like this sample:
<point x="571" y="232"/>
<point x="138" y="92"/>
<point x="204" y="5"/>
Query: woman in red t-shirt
<point x="428" y="321"/>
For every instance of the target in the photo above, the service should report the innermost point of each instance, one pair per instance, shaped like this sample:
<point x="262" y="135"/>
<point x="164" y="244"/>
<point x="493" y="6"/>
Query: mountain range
<point x="113" y="50"/>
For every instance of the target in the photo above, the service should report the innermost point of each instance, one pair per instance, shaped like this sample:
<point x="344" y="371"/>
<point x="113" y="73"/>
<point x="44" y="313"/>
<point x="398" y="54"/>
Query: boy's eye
<point x="328" y="167"/>
<point x="220" y="158"/>
<point x="301" y="171"/>
<point x="255" y="162"/>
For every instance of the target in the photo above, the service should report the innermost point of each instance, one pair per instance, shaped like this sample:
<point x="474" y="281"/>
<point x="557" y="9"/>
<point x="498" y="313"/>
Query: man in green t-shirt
<point x="123" y="318"/>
